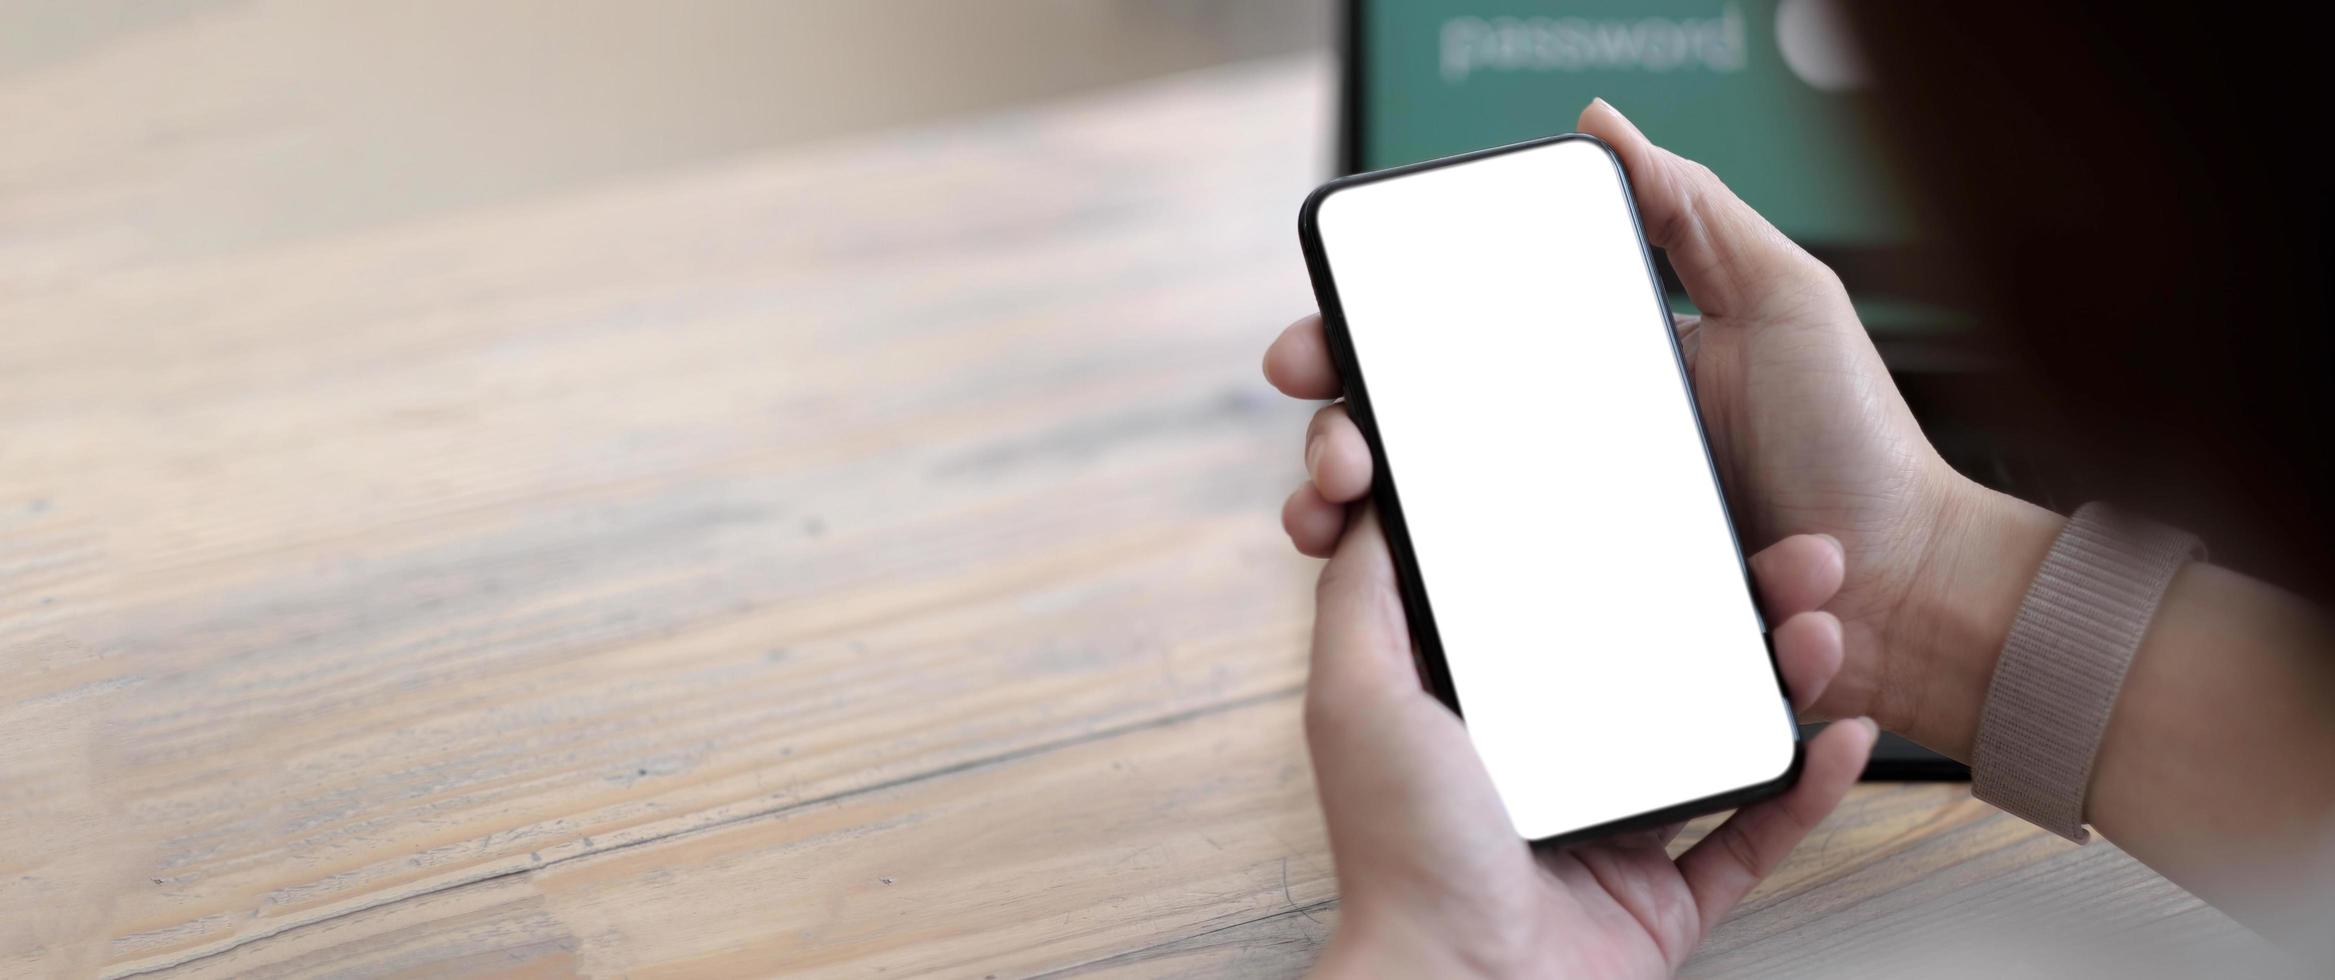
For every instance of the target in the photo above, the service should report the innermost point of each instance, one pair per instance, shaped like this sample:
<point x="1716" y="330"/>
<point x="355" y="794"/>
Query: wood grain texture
<point x="849" y="560"/>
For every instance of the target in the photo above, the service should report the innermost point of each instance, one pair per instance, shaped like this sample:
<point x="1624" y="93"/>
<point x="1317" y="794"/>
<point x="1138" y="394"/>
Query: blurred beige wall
<point x="141" y="130"/>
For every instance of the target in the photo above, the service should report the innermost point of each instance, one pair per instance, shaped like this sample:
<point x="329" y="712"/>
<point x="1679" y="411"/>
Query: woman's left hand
<point x="1433" y="879"/>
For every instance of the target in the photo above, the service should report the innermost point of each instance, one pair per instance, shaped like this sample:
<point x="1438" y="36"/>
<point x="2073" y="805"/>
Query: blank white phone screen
<point x="1570" y="536"/>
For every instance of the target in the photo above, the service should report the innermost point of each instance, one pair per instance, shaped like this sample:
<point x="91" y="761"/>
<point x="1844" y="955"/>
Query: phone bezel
<point x="1427" y="646"/>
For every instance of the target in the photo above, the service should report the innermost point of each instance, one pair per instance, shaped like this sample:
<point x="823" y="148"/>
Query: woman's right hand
<point x="1808" y="430"/>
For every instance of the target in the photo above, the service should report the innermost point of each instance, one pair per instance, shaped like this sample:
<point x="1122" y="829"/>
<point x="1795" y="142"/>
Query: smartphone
<point x="1575" y="589"/>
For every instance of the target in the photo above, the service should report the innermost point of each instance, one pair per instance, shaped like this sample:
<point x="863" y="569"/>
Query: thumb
<point x="1403" y="793"/>
<point x="1361" y="639"/>
<point x="1729" y="258"/>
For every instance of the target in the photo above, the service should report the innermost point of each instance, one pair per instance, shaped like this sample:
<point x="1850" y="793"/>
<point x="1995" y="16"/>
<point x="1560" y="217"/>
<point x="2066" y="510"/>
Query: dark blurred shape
<point x="2126" y="201"/>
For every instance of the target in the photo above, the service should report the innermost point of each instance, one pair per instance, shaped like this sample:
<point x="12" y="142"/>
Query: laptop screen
<point x="1763" y="92"/>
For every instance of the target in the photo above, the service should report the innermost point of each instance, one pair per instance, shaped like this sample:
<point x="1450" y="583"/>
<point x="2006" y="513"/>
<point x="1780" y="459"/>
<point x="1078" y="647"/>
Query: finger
<point x="1728" y="257"/>
<point x="1336" y="456"/>
<point x="1298" y="363"/>
<point x="1313" y="523"/>
<point x="1797" y="574"/>
<point x="1808" y="653"/>
<point x="1361" y="640"/>
<point x="1720" y="868"/>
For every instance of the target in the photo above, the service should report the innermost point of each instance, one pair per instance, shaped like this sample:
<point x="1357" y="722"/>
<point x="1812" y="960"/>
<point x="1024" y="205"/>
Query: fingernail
<point x="1872" y="730"/>
<point x="1841" y="549"/>
<point x="1313" y="452"/>
<point x="1628" y="127"/>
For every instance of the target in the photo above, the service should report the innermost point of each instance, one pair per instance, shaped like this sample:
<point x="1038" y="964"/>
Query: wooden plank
<point x="1163" y="832"/>
<point x="1922" y="880"/>
<point x="648" y="511"/>
<point x="1283" y="944"/>
<point x="1189" y="847"/>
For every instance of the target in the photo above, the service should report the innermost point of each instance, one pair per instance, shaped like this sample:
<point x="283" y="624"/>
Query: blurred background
<point x="215" y="125"/>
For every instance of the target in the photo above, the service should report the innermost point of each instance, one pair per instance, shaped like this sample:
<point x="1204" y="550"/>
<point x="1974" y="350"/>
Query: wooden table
<point x="851" y="560"/>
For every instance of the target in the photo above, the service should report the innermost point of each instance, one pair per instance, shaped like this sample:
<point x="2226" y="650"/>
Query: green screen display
<point x="1760" y="91"/>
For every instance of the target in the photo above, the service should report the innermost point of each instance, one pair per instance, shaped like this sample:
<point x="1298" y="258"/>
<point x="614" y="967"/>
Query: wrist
<point x="1981" y="555"/>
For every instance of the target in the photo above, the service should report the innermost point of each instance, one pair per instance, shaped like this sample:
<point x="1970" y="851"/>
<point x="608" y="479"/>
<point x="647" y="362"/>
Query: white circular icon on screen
<point x="1814" y="37"/>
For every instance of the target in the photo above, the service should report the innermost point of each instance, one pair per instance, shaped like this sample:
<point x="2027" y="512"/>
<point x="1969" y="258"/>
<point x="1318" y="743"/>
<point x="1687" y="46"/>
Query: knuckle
<point x="1321" y="420"/>
<point x="1385" y="610"/>
<point x="1820" y="275"/>
<point x="1336" y="578"/>
<point x="1741" y="851"/>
